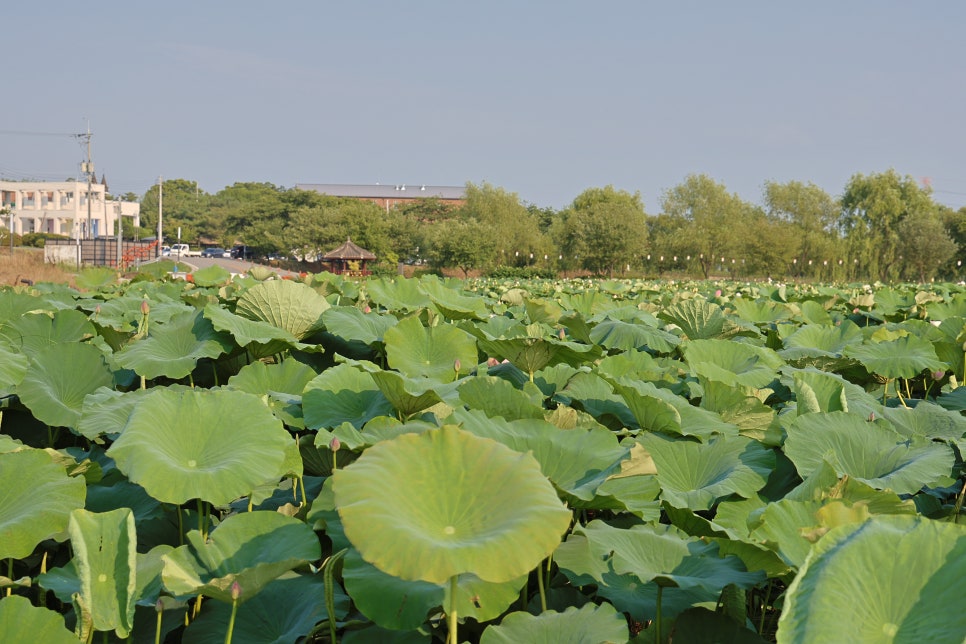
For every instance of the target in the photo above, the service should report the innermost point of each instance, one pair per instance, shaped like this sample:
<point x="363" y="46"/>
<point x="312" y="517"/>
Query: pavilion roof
<point x="349" y="250"/>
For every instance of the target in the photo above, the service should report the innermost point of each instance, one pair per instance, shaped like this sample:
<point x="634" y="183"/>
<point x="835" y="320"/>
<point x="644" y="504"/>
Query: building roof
<point x="348" y="250"/>
<point x="399" y="191"/>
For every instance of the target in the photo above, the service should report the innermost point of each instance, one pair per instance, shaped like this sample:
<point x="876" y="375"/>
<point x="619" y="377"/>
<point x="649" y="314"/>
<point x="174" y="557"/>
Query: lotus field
<point x="253" y="459"/>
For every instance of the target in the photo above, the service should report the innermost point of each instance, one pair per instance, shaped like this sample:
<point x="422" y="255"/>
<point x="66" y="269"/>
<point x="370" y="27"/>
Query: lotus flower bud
<point x="938" y="374"/>
<point x="235" y="590"/>
<point x="159" y="605"/>
<point x="492" y="362"/>
<point x="871" y="416"/>
<point x="335" y="444"/>
<point x="368" y="309"/>
<point x="717" y="293"/>
<point x="562" y="334"/>
<point x="855" y="310"/>
<point x="456" y="365"/>
<point x="145" y="307"/>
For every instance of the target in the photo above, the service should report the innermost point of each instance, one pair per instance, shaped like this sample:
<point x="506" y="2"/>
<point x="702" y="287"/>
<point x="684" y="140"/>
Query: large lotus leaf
<point x="735" y="363"/>
<point x="587" y="302"/>
<point x="213" y="275"/>
<point x="743" y="407"/>
<point x="343" y="394"/>
<point x="471" y="506"/>
<point x="59" y="378"/>
<point x="251" y="548"/>
<point x="821" y="340"/>
<point x="291" y="306"/>
<point x="396" y="603"/>
<point x="929" y="420"/>
<point x="398" y="294"/>
<point x="901" y="594"/>
<point x="699" y="319"/>
<point x="105" y="556"/>
<point x="21" y="621"/>
<point x="761" y="311"/>
<point x="660" y="410"/>
<point x="531" y="354"/>
<point x="870" y="452"/>
<point x="629" y="564"/>
<point x="635" y="494"/>
<point x="349" y="323"/>
<point x="585" y="625"/>
<point x="904" y="357"/>
<point x="695" y="475"/>
<point x="701" y="625"/>
<point x="13" y="305"/>
<point x="173" y="349"/>
<point x="616" y="334"/>
<point x="577" y="461"/>
<point x="248" y="332"/>
<point x="13" y="367"/>
<point x="282" y="384"/>
<point x="124" y="494"/>
<point x="106" y="411"/>
<point x="285" y="611"/>
<point x="434" y="352"/>
<point x="498" y="397"/>
<point x="408" y="396"/>
<point x="34" y="331"/>
<point x="595" y="396"/>
<point x="214" y="445"/>
<point x="36" y="502"/>
<point x="822" y="391"/>
<point x="451" y="303"/>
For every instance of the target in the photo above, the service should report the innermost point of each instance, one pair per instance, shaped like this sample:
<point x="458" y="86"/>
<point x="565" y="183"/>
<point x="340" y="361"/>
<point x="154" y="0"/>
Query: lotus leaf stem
<point x="9" y="574"/>
<point x="959" y="503"/>
<point x="159" y="607"/>
<point x="549" y="564"/>
<point x="451" y="618"/>
<point x="328" y="581"/>
<point x="231" y="621"/>
<point x="543" y="593"/>
<point x="764" y="607"/>
<point x="657" y="615"/>
<point x="908" y="393"/>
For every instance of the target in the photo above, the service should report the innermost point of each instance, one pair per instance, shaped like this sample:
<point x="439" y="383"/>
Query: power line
<point x="26" y="133"/>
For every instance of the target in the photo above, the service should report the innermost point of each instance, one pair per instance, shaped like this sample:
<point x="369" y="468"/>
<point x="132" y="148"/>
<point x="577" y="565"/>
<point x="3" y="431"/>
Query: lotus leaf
<point x="350" y="323"/>
<point x="531" y="354"/>
<point x="211" y="276"/>
<point x="498" y="397"/>
<point x="904" y="357"/>
<point x="173" y="349"/>
<point x="105" y="557"/>
<point x="248" y="332"/>
<point x="734" y="363"/>
<point x="13" y="305"/>
<point x="473" y="506"/>
<point x="13" y="367"/>
<point x="435" y="352"/>
<point x="343" y="394"/>
<point x="213" y="445"/>
<point x="451" y="303"/>
<point x="34" y="331"/>
<point x="291" y="306"/>
<point x="589" y="624"/>
<point x="887" y="579"/>
<point x="699" y="320"/>
<point x="59" y="378"/>
<point x="695" y="475"/>
<point x="659" y="410"/>
<point x="870" y="452"/>
<point x="615" y="334"/>
<point x="252" y="548"/>
<point x="36" y="503"/>
<point x="21" y="621"/>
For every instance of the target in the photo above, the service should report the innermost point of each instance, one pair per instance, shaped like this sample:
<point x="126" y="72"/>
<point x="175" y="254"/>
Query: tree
<point x="872" y="209"/>
<point x="463" y="244"/>
<point x="184" y="205"/>
<point x="925" y="246"/>
<point x="811" y="213"/>
<point x="604" y="228"/>
<point x="710" y="219"/>
<point x="511" y="230"/>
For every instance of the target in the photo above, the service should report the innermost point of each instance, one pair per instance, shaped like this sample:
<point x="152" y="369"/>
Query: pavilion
<point x="349" y="259"/>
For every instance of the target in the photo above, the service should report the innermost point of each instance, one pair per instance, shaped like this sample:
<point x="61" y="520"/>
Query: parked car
<point x="215" y="252"/>
<point x="184" y="251"/>
<point x="165" y="251"/>
<point x="241" y="252"/>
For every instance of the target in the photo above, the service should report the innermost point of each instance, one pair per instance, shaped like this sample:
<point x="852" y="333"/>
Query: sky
<point x="543" y="99"/>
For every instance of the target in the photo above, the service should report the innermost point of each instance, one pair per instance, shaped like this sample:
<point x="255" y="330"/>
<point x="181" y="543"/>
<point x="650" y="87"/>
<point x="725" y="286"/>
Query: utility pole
<point x="88" y="168"/>
<point x="117" y="206"/>
<point x="160" y="187"/>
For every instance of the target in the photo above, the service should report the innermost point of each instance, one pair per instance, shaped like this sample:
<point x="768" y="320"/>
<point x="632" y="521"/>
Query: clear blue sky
<point x="544" y="99"/>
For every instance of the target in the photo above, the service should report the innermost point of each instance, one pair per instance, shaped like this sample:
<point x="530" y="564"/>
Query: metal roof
<point x="349" y="250"/>
<point x="378" y="191"/>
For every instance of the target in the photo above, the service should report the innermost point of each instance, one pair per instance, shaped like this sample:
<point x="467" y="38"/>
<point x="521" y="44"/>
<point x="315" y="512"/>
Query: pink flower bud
<point x="145" y="308"/>
<point x="717" y="293"/>
<point x="938" y="374"/>
<point x="235" y="590"/>
<point x="456" y="365"/>
<point x="562" y="334"/>
<point x="335" y="444"/>
<point x="368" y="309"/>
<point x="492" y="362"/>
<point x="855" y="310"/>
<point x="871" y="416"/>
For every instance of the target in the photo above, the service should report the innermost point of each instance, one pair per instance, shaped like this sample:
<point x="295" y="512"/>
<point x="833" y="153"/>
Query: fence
<point x="98" y="252"/>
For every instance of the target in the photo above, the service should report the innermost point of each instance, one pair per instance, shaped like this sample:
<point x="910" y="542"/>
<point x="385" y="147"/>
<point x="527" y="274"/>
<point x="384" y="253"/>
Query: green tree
<point x="710" y="218"/>
<point x="924" y="244"/>
<point x="184" y="205"/>
<point x="810" y="212"/>
<point x="604" y="228"/>
<point x="873" y="207"/>
<point x="463" y="244"/>
<point x="512" y="232"/>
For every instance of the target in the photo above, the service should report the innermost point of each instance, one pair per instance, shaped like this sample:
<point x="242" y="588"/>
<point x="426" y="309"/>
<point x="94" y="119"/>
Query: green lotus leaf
<point x="59" y="378"/>
<point x="282" y="384"/>
<point x="94" y="278"/>
<point x="594" y="395"/>
<point x="252" y="548"/>
<point x="531" y="354"/>
<point x="589" y="624"/>
<point x="349" y="323"/>
<point x="214" y="445"/>
<point x="105" y="556"/>
<point x="659" y="410"/>
<point x="699" y="319"/>
<point x="174" y="349"/>
<point x="451" y="303"/>
<point x="907" y="564"/>
<point x="291" y="306"/>
<point x="734" y="363"/>
<point x="575" y="460"/>
<point x="473" y="506"/>
<point x="434" y="352"/>
<point x="285" y="611"/>
<point x="904" y="357"/>
<point x="821" y="341"/>
<point x="761" y="312"/>
<point x="211" y="276"/>
<point x="615" y="334"/>
<point x="21" y="621"/>
<point x="742" y="406"/>
<point x="695" y="475"/>
<point x="700" y="625"/>
<point x="870" y="452"/>
<point x="13" y="367"/>
<point x="35" y="331"/>
<point x="343" y="394"/>
<point x="498" y="397"/>
<point x="587" y="302"/>
<point x="540" y="310"/>
<point x="398" y="294"/>
<point x="36" y="503"/>
<point x="124" y="494"/>
<point x="13" y="305"/>
<point x="248" y="332"/>
<point x="408" y="396"/>
<point x="635" y="494"/>
<point x="929" y="420"/>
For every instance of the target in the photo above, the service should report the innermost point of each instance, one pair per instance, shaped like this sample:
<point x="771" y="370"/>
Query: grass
<point x="28" y="264"/>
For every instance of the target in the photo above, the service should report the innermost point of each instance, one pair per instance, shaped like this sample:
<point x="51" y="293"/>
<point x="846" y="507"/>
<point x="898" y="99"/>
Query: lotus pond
<point x="252" y="459"/>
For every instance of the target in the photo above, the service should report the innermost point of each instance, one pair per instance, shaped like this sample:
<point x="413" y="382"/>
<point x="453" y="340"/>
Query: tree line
<point x="884" y="226"/>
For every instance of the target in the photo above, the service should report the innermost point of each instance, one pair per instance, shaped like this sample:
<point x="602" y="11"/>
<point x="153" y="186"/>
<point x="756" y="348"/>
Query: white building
<point x="60" y="207"/>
